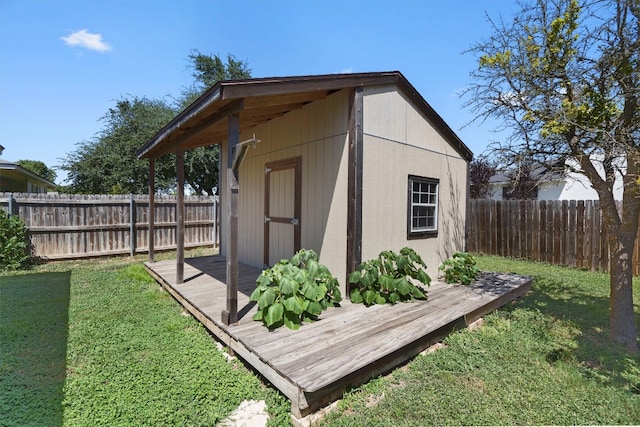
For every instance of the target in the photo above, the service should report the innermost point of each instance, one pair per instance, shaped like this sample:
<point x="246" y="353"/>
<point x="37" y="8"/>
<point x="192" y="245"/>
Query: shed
<point x="345" y="164"/>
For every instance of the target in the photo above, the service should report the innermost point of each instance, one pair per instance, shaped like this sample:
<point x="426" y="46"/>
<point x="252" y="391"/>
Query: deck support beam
<point x="152" y="208"/>
<point x="230" y="315"/>
<point x="180" y="215"/>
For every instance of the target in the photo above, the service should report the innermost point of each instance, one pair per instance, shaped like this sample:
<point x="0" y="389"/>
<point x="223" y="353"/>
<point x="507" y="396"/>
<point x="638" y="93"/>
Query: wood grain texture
<point x="347" y="345"/>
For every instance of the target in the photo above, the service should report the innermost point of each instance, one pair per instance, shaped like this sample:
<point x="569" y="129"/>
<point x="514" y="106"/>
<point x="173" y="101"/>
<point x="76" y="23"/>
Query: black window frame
<point x="421" y="234"/>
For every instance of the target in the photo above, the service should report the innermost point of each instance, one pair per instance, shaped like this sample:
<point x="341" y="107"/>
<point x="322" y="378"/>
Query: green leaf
<point x="314" y="308"/>
<point x="369" y="296"/>
<point x="288" y="286"/>
<point x="337" y="295"/>
<point x="403" y="286"/>
<point x="355" y="277"/>
<point x="292" y="304"/>
<point x="312" y="267"/>
<point x="386" y="282"/>
<point x="255" y="295"/>
<point x="369" y="278"/>
<point x="267" y="298"/>
<point x="380" y="299"/>
<point x="292" y="321"/>
<point x="259" y="315"/>
<point x="356" y="296"/>
<point x="417" y="293"/>
<point x="394" y="297"/>
<point x="300" y="276"/>
<point x="309" y="291"/>
<point x="274" y="314"/>
<point x="423" y="277"/>
<point x="264" y="279"/>
<point x="402" y="263"/>
<point x="321" y="292"/>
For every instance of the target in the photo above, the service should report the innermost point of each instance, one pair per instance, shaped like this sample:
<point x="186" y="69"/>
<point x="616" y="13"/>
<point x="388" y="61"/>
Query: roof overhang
<point x="258" y="101"/>
<point x="19" y="170"/>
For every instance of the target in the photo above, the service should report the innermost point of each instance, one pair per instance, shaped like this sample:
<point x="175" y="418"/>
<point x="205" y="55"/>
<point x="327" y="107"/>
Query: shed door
<point x="282" y="206"/>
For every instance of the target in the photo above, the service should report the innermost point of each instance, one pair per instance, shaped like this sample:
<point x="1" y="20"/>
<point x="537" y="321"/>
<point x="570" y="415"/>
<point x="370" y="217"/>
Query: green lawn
<point x="98" y="343"/>
<point x="544" y="359"/>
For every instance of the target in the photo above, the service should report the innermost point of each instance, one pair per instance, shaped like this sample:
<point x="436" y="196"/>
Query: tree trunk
<point x="622" y="317"/>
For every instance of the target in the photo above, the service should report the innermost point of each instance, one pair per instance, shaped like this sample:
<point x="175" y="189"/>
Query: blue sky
<point x="64" y="63"/>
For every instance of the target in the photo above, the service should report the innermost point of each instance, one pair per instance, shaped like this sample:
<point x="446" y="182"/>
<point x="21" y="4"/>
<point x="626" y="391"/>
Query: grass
<point x="544" y="359"/>
<point x="98" y="343"/>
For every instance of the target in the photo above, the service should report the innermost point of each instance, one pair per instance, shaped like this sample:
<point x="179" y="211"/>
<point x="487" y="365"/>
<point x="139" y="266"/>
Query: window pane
<point x="423" y="206"/>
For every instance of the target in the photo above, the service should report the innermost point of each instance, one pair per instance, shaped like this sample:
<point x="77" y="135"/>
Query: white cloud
<point x="88" y="40"/>
<point x="346" y="71"/>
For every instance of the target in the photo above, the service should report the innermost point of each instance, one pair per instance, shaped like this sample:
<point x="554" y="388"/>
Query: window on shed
<point x="422" y="218"/>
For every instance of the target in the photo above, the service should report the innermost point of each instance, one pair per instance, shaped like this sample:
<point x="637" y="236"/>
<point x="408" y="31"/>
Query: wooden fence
<point x="74" y="226"/>
<point x="558" y="232"/>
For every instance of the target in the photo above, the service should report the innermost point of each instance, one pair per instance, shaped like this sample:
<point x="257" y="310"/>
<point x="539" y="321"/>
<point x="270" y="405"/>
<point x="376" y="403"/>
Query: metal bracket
<point x="267" y="170"/>
<point x="295" y="221"/>
<point x="267" y="219"/>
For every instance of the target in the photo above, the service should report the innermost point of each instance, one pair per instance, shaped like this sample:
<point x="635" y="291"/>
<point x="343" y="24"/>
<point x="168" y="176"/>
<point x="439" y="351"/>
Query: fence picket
<point x="559" y="232"/>
<point x="73" y="226"/>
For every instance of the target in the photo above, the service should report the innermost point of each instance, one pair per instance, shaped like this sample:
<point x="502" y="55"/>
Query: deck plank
<point x="358" y="341"/>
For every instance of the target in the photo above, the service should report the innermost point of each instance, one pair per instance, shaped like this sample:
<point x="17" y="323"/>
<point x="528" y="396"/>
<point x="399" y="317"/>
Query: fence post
<point x="132" y="226"/>
<point x="10" y="205"/>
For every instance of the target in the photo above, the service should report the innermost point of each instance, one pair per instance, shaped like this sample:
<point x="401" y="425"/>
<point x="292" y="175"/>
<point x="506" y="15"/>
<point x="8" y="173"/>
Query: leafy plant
<point x="460" y="268"/>
<point x="387" y="279"/>
<point x="14" y="242"/>
<point x="295" y="290"/>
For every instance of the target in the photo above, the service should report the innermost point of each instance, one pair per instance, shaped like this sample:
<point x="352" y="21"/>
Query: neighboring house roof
<point x="37" y="179"/>
<point x="558" y="184"/>
<point x="540" y="174"/>
<point x="259" y="100"/>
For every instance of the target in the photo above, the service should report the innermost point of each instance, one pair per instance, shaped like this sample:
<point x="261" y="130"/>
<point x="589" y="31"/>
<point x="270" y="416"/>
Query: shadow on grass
<point x="589" y="314"/>
<point x="34" y="323"/>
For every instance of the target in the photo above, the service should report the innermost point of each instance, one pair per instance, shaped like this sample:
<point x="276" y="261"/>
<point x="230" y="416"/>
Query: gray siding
<point x="398" y="142"/>
<point x="318" y="134"/>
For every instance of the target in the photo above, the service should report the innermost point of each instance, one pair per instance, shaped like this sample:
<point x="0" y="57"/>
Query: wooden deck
<point x="348" y="345"/>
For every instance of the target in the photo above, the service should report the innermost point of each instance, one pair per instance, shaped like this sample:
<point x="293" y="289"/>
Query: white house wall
<point x="574" y="186"/>
<point x="318" y="134"/>
<point x="398" y="142"/>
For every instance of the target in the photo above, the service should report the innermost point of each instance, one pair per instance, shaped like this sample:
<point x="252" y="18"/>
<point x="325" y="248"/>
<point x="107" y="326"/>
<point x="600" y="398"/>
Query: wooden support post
<point x="152" y="208"/>
<point x="180" y="216"/>
<point x="132" y="226"/>
<point x="354" y="178"/>
<point x="230" y="315"/>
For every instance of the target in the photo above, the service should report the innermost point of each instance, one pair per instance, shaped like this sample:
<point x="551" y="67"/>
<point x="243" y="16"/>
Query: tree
<point x="108" y="163"/>
<point x="39" y="168"/>
<point x="480" y="171"/>
<point x="563" y="76"/>
<point x="201" y="164"/>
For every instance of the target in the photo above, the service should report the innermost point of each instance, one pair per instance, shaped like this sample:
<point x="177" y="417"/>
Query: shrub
<point x="387" y="279"/>
<point x="460" y="268"/>
<point x="14" y="242"/>
<point x="295" y="290"/>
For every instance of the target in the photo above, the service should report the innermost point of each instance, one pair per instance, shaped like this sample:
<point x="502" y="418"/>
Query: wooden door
<point x="282" y="206"/>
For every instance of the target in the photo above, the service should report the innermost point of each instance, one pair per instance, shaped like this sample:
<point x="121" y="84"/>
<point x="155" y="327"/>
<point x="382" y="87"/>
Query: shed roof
<point x="262" y="99"/>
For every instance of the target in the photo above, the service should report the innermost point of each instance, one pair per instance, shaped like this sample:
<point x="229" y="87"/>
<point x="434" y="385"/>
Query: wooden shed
<point x="345" y="164"/>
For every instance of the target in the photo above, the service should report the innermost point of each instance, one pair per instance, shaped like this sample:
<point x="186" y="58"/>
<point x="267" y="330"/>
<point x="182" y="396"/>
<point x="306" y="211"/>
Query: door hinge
<point x="295" y="221"/>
